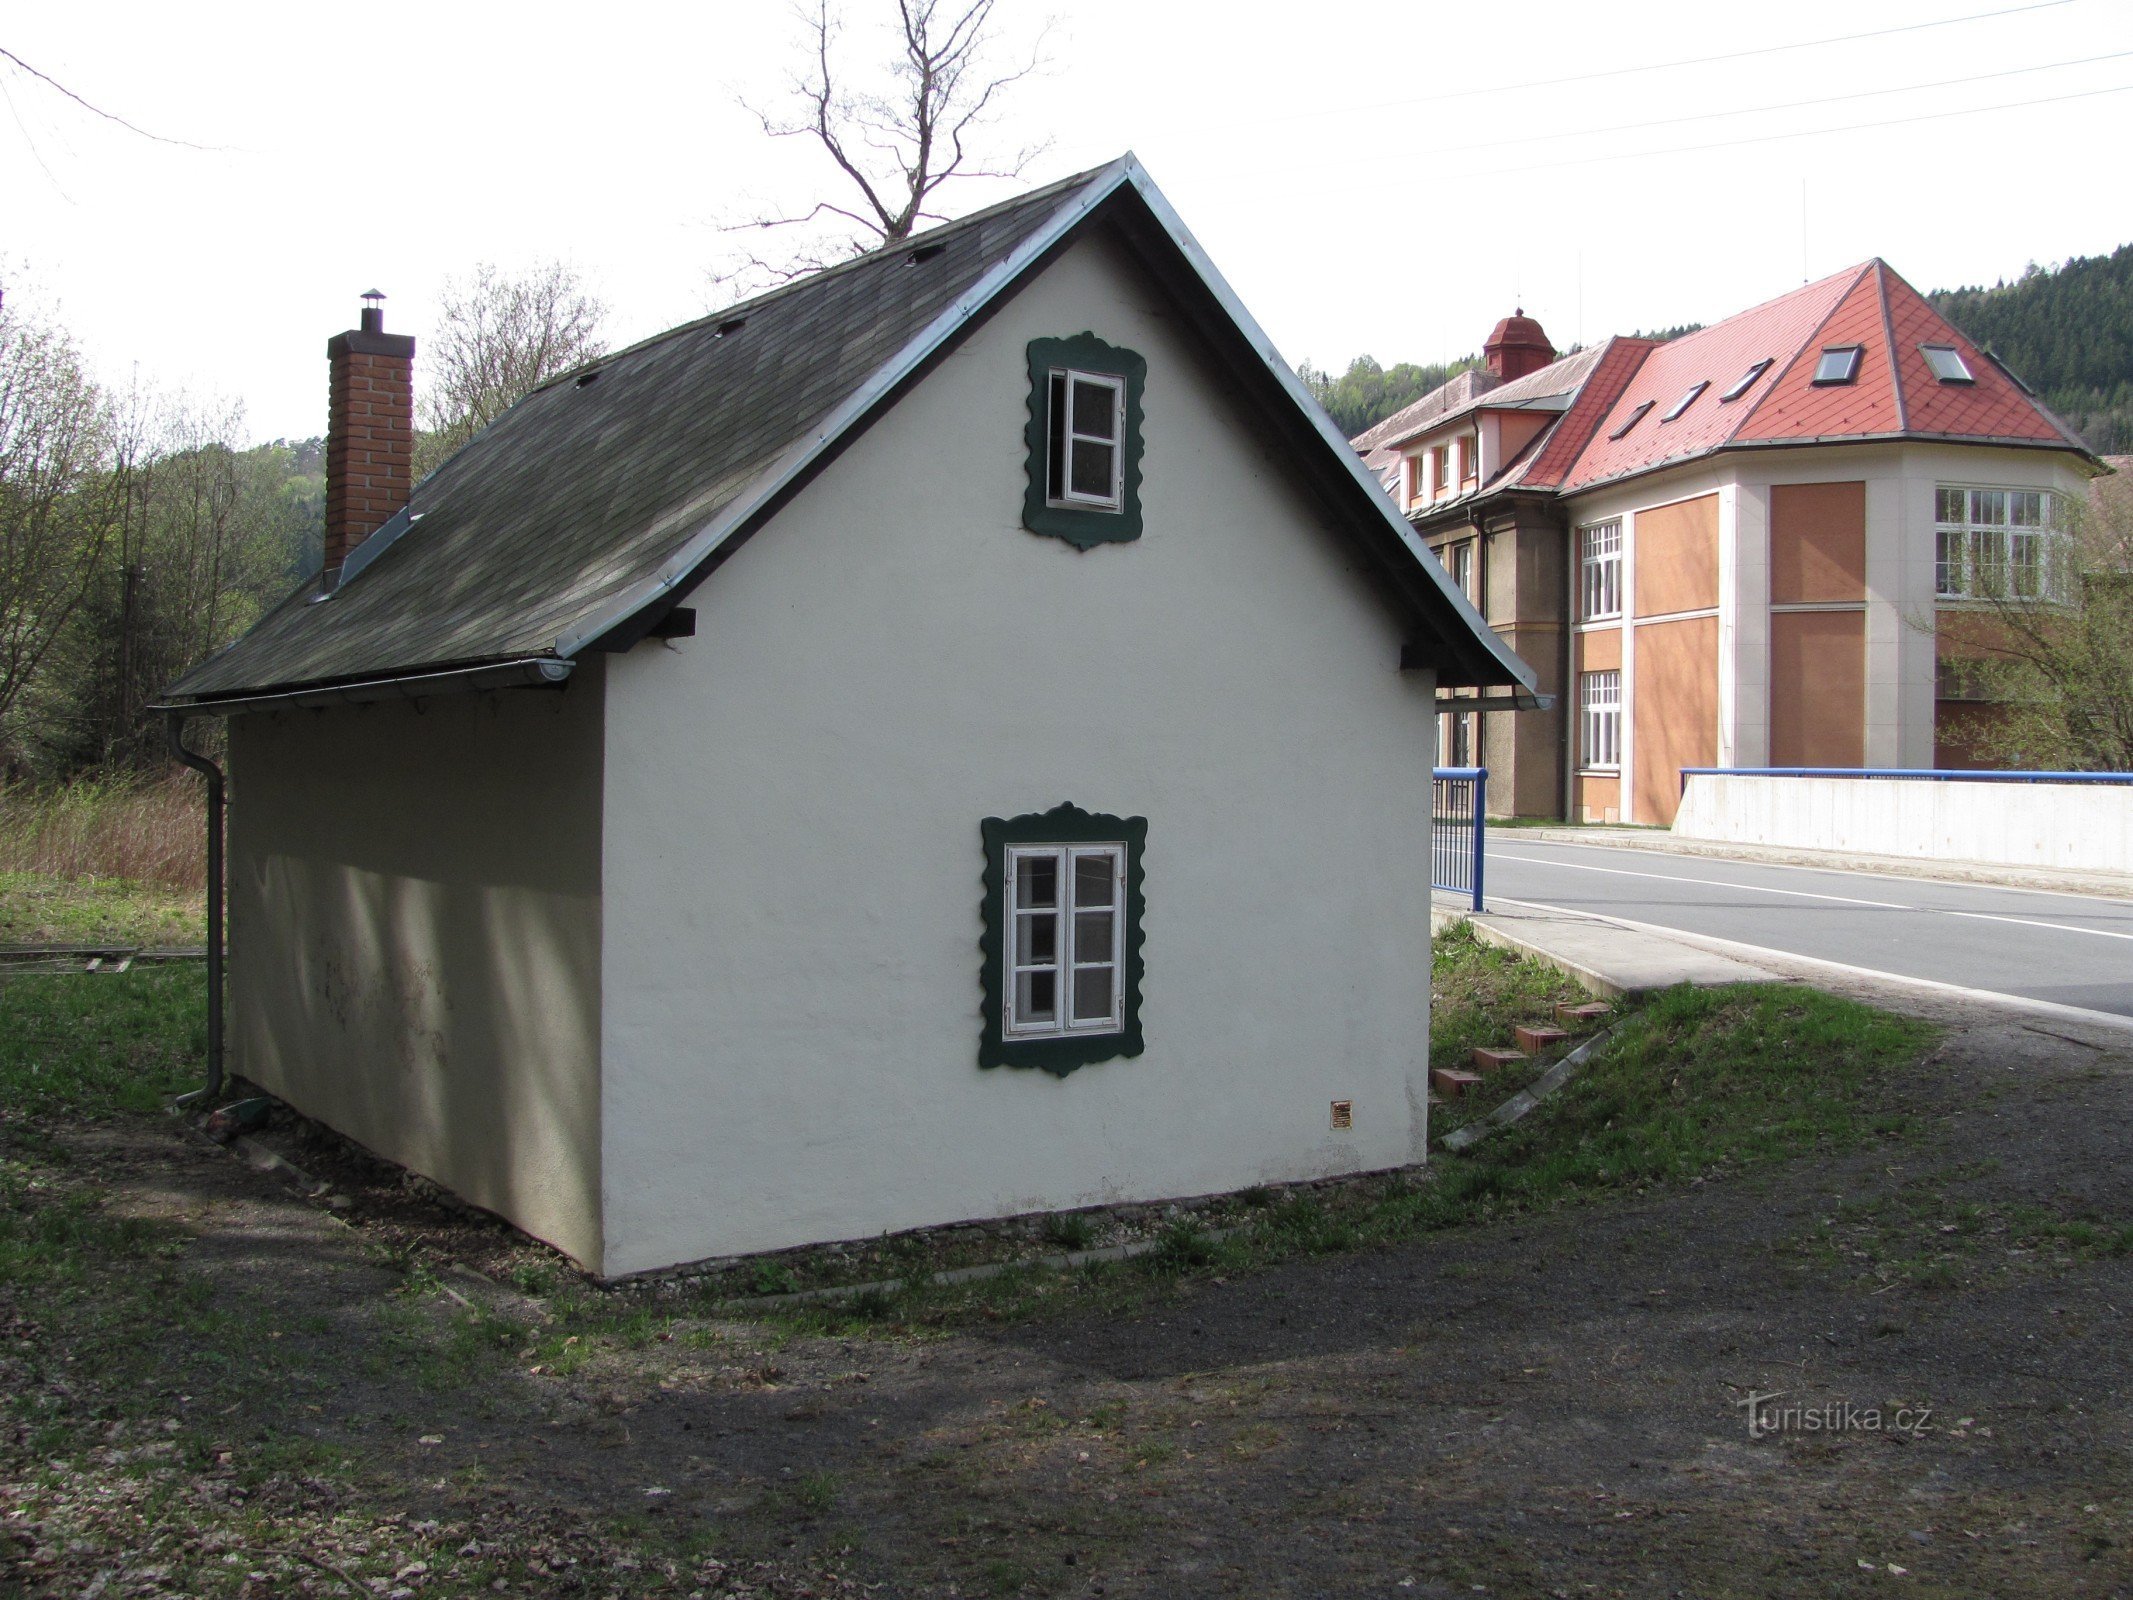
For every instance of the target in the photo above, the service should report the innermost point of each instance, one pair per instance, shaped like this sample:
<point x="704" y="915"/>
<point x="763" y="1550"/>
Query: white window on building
<point x="1440" y="469"/>
<point x="1600" y="571"/>
<point x="1065" y="948"/>
<point x="1469" y="461"/>
<point x="1998" y="544"/>
<point x="1600" y="719"/>
<point x="1086" y="413"/>
<point x="1462" y="567"/>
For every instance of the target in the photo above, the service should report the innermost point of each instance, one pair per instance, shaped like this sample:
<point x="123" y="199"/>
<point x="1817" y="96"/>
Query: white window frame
<point x="1600" y="720"/>
<point x="1063" y="494"/>
<point x="1067" y="957"/>
<point x="1600" y="570"/>
<point x="1994" y="528"/>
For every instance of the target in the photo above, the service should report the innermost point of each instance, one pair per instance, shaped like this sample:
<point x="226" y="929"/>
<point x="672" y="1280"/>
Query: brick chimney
<point x="1517" y="347"/>
<point x="370" y="430"/>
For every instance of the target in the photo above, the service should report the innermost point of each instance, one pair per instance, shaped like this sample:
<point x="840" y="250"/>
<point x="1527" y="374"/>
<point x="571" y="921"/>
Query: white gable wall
<point x="790" y="986"/>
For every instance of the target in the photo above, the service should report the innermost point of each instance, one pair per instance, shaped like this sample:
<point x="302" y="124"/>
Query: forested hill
<point x="2068" y="331"/>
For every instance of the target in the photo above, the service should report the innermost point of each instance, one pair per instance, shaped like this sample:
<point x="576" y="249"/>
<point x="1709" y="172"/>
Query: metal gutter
<point x="175" y="728"/>
<point x="527" y="671"/>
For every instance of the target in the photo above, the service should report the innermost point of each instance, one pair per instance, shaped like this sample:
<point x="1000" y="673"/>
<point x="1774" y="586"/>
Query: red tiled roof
<point x="1618" y="364"/>
<point x="1894" y="394"/>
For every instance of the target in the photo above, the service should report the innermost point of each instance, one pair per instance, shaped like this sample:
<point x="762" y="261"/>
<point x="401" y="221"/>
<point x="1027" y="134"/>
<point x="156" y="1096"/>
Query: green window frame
<point x="1062" y="438"/>
<point x="1062" y="912"/>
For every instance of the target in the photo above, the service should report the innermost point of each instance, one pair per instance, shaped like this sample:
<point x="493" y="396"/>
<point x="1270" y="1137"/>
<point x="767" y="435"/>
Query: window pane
<point x="1092" y="936"/>
<point x="1036" y="881"/>
<point x="2025" y="508"/>
<point x="1056" y="422"/>
<point x="1948" y="564"/>
<point x="1036" y="938"/>
<point x="1988" y="505"/>
<point x="1092" y="469"/>
<point x="1092" y="994"/>
<point x="1095" y="410"/>
<point x="1092" y="881"/>
<point x="1948" y="505"/>
<point x="1037" y="996"/>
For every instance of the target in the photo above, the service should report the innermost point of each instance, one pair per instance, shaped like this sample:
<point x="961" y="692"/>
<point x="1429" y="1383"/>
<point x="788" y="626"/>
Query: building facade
<point x="1741" y="547"/>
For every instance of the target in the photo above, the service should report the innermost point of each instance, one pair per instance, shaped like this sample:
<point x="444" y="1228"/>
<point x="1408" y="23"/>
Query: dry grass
<point x="149" y="831"/>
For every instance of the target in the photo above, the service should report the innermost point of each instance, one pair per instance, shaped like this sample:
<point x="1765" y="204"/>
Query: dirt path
<point x="1547" y="1407"/>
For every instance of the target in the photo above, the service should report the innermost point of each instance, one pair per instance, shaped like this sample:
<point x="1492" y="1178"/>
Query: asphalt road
<point x="2060" y="949"/>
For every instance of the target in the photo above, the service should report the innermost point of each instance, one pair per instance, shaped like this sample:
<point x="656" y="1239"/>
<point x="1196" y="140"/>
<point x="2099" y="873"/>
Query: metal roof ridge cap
<point x="802" y="451"/>
<point x="1197" y="258"/>
<point x="1888" y="333"/>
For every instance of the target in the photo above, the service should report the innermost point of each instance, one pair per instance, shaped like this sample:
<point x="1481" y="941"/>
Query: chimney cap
<point x="372" y="294"/>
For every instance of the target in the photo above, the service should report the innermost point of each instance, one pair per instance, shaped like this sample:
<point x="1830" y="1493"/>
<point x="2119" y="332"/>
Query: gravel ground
<point x="1549" y="1406"/>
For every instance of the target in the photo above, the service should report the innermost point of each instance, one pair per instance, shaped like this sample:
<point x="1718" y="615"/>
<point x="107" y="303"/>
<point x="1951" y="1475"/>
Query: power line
<point x="1666" y="66"/>
<point x="1788" y="105"/>
<point x="108" y="116"/>
<point x="1801" y="133"/>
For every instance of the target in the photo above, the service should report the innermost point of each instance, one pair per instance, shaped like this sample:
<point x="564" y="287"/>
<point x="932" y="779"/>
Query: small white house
<point x="948" y="738"/>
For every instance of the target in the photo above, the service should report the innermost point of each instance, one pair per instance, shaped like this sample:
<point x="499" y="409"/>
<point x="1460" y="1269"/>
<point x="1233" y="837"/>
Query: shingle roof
<point x="611" y="492"/>
<point x="1894" y="395"/>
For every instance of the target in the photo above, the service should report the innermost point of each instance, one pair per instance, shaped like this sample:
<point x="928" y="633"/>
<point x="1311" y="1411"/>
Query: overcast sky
<point x="1378" y="178"/>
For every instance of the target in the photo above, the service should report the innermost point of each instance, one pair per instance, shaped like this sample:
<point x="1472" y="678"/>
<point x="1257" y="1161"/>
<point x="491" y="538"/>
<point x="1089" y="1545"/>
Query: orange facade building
<point x="1736" y="548"/>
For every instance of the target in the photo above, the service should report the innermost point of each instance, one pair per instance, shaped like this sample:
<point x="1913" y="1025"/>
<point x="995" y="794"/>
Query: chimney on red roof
<point x="1517" y="347"/>
<point x="370" y="429"/>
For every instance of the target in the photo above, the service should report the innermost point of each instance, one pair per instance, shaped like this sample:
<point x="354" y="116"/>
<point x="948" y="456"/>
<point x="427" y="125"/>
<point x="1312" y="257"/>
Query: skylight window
<point x="1685" y="402"/>
<point x="1839" y="363"/>
<point x="1746" y="381"/>
<point x="1635" y="417"/>
<point x="1947" y="363"/>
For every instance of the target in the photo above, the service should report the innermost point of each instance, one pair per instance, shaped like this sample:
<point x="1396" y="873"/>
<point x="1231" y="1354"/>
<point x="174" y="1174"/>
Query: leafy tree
<point x="2068" y="331"/>
<point x="499" y="336"/>
<point x="2058" y="678"/>
<point x="1366" y="394"/>
<point x="67" y="459"/>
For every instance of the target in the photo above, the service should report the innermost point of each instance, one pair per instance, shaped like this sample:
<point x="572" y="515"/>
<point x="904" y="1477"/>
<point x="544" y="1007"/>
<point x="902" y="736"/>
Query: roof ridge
<point x="1858" y="275"/>
<point x="1888" y="334"/>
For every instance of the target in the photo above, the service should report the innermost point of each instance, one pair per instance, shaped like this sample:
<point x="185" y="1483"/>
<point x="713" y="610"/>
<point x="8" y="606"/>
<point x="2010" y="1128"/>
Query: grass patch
<point x="1478" y="994"/>
<point x="95" y="1047"/>
<point x="39" y="908"/>
<point x="1696" y="1084"/>
<point x="138" y="830"/>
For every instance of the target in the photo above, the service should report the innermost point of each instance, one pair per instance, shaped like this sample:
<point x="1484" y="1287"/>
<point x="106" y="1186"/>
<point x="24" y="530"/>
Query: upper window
<point x="1600" y="571"/>
<point x="1635" y="417"/>
<point x="1469" y="465"/>
<point x="2002" y="544"/>
<point x="1084" y="441"/>
<point x="1461" y="567"/>
<point x="1085" y="459"/>
<point x="1686" y="401"/>
<point x="1062" y="939"/>
<point x="1746" y="381"/>
<point x="1947" y="363"/>
<point x="1839" y="363"/>
<point x="1440" y="468"/>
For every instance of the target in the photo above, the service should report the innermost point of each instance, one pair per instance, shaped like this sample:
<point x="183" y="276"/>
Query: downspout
<point x="212" y="1089"/>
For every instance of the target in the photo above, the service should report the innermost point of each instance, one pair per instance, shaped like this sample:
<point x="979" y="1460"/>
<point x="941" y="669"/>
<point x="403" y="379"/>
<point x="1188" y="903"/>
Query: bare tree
<point x="66" y="463"/>
<point x="895" y="136"/>
<point x="500" y="336"/>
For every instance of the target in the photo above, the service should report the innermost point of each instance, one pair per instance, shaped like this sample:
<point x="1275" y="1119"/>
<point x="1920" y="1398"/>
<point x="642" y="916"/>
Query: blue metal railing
<point x="1458" y="815"/>
<point x="1920" y="774"/>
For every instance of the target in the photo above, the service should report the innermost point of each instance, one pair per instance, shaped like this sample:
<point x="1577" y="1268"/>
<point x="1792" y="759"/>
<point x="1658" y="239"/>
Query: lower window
<point x="1062" y="940"/>
<point x="1600" y="719"/>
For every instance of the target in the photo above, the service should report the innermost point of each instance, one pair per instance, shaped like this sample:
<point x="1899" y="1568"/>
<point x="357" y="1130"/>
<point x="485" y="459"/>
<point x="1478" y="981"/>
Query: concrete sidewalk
<point x="2110" y="885"/>
<point x="1607" y="959"/>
